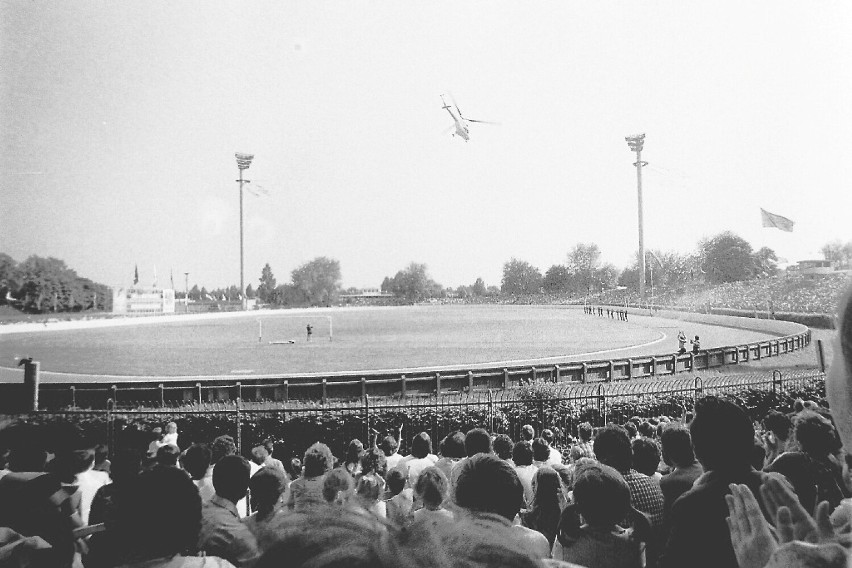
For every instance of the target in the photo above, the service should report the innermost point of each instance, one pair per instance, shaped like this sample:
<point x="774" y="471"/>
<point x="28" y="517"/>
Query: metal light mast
<point x="243" y="163"/>
<point x="636" y="142"/>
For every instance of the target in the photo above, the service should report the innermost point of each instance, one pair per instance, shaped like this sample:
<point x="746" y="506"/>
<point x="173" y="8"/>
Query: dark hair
<point x="318" y="460"/>
<point x="389" y="445"/>
<point x="722" y="434"/>
<point x="477" y="441"/>
<point x="601" y="494"/>
<point x="612" y="447"/>
<point x="646" y="429"/>
<point x="222" y="446"/>
<point x="159" y="515"/>
<point x="646" y="456"/>
<point x="267" y="486"/>
<point x="503" y="446"/>
<point x="527" y="432"/>
<point x="196" y="460"/>
<point x="373" y="461"/>
<point x="126" y="465"/>
<point x="421" y="445"/>
<point x="452" y="446"/>
<point x="168" y="455"/>
<point x="541" y="451"/>
<point x="396" y="479"/>
<point x="101" y="453"/>
<point x="522" y="453"/>
<point x="548" y="436"/>
<point x="584" y="431"/>
<point x="431" y="486"/>
<point x="269" y="444"/>
<point x="354" y="451"/>
<point x="487" y="484"/>
<point x="231" y="477"/>
<point x="631" y="429"/>
<point x="779" y="424"/>
<point x="294" y="468"/>
<point x="677" y="446"/>
<point x="544" y="512"/>
<point x="68" y="463"/>
<point x="816" y="435"/>
<point x="259" y="453"/>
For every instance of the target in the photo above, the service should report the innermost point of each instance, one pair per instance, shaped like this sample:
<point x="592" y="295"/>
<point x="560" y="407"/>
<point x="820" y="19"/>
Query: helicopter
<point x="462" y="125"/>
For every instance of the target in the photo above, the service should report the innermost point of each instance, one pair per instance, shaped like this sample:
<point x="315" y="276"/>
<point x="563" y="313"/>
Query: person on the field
<point x="681" y="343"/>
<point x="696" y="344"/>
<point x="310" y="330"/>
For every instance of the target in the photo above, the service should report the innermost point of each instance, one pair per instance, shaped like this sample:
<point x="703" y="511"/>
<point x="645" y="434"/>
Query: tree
<point x="557" y="279"/>
<point x="386" y="285"/>
<point x="583" y="261"/>
<point x="833" y="251"/>
<point x="194" y="293"/>
<point x="520" y="277"/>
<point x="318" y="280"/>
<point x="413" y="284"/>
<point x="250" y="292"/>
<point x="478" y="288"/>
<point x="765" y="262"/>
<point x="267" y="284"/>
<point x="8" y="277"/>
<point x="726" y="257"/>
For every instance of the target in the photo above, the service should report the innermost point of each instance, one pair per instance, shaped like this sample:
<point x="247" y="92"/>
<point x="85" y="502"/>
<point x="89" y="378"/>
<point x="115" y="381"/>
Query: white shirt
<point x="88" y="483"/>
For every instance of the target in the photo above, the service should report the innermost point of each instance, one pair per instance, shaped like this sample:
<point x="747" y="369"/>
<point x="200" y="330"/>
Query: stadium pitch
<point x="363" y="339"/>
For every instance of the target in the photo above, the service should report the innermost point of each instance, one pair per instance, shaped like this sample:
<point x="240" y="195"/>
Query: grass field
<point x="363" y="339"/>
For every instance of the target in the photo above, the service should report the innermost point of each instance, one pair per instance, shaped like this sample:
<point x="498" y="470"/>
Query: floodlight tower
<point x="636" y="142"/>
<point x="243" y="163"/>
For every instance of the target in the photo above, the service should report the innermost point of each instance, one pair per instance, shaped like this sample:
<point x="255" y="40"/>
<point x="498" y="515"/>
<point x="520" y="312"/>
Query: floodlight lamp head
<point x="244" y="160"/>
<point x="635" y="142"/>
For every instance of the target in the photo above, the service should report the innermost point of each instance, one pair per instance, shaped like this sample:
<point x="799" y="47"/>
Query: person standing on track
<point x="681" y="343"/>
<point x="310" y="330"/>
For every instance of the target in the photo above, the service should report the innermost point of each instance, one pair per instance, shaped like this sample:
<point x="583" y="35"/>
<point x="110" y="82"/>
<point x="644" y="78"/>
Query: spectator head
<point x="421" y="445"/>
<point x="68" y="463"/>
<point x="722" y="435"/>
<point x="27" y="458"/>
<point x="646" y="429"/>
<point x="522" y="453"/>
<point x="527" y="433"/>
<point x="269" y="444"/>
<point x="171" y="428"/>
<point x="779" y="424"/>
<point x="453" y="445"/>
<point x="294" y="468"/>
<point x="431" y="487"/>
<point x="477" y="441"/>
<point x="231" y="477"/>
<point x="584" y="431"/>
<point x="503" y="446"/>
<point x="369" y="488"/>
<point x="373" y="461"/>
<point x="646" y="456"/>
<point x="161" y="517"/>
<point x="168" y="455"/>
<point x="389" y="445"/>
<point x="548" y="436"/>
<point x="575" y="454"/>
<point x="267" y="486"/>
<point x="612" y="447"/>
<point x="101" y="454"/>
<point x="126" y="465"/>
<point x="259" y="454"/>
<point x="798" y="405"/>
<point x="222" y="446"/>
<point x="487" y="484"/>
<point x="601" y="494"/>
<point x="196" y="460"/>
<point x="838" y="382"/>
<point x="396" y="479"/>
<point x="354" y="451"/>
<point x="541" y="451"/>
<point x="677" y="446"/>
<point x="630" y="426"/>
<point x="318" y="460"/>
<point x="546" y="485"/>
<point x="815" y="434"/>
<point x="337" y="486"/>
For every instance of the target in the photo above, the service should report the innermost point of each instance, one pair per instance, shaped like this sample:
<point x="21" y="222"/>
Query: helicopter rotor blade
<point x="483" y="121"/>
<point x="455" y="104"/>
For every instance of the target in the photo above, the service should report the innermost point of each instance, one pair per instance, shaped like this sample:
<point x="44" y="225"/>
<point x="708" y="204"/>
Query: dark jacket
<point x="699" y="534"/>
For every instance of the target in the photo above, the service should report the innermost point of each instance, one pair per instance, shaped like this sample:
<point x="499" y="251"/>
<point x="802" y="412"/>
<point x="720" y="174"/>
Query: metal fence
<point x="558" y="406"/>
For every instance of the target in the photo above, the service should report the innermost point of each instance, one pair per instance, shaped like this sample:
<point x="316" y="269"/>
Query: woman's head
<point x="453" y="445"/>
<point x="318" y="460"/>
<point x="421" y="445"/>
<point x="370" y="488"/>
<point x="431" y="487"/>
<point x="337" y="485"/>
<point x="373" y="461"/>
<point x="354" y="451"/>
<point x="815" y="434"/>
<point x="546" y="487"/>
<point x="601" y="494"/>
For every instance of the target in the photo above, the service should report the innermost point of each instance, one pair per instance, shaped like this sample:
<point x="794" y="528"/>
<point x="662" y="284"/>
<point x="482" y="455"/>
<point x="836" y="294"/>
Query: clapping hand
<point x="792" y="520"/>
<point x="751" y="535"/>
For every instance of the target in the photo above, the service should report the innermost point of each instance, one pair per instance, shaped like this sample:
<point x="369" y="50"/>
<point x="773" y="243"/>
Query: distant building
<point x="143" y="301"/>
<point x="815" y="268"/>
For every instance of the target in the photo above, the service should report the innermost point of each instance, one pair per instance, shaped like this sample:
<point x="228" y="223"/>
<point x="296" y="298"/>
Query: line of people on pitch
<point x="610" y="312"/>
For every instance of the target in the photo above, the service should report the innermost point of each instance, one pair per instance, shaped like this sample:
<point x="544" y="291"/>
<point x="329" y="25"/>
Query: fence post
<point x="198" y="386"/>
<point x="777" y="381"/>
<point x="556" y="371"/>
<point x="363" y="387"/>
<point x="820" y="354"/>
<point x="611" y="370"/>
<point x="286" y="391"/>
<point x="602" y="403"/>
<point x="697" y="390"/>
<point x="366" y="413"/>
<point x="437" y="384"/>
<point x="505" y="378"/>
<point x="162" y="395"/>
<point x="239" y="427"/>
<point x="114" y="390"/>
<point x="110" y="428"/>
<point x="584" y="373"/>
<point x="74" y="398"/>
<point x="324" y="391"/>
<point x="534" y="374"/>
<point x="653" y="366"/>
<point x="629" y="369"/>
<point x="470" y="381"/>
<point x="490" y="411"/>
<point x="403" y="386"/>
<point x="31" y="382"/>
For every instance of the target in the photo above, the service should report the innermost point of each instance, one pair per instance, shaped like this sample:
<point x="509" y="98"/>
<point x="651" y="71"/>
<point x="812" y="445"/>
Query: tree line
<point x="40" y="285"/>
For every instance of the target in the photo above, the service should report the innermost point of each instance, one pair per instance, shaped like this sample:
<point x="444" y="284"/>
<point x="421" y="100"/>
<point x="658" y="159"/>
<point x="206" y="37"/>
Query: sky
<point x="119" y="122"/>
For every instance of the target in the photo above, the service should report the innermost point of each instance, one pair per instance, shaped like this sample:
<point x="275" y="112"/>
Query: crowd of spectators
<point x="709" y="489"/>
